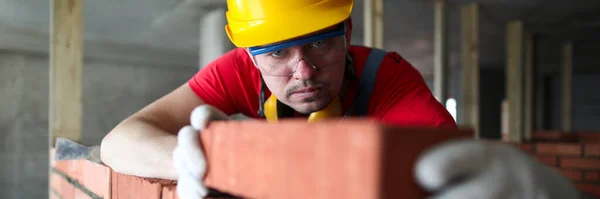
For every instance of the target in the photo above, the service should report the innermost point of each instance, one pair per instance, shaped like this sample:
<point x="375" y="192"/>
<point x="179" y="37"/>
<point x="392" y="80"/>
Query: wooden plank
<point x="373" y="23"/>
<point x="567" y="81"/>
<point x="469" y="108"/>
<point x="440" y="52"/>
<point x="530" y="77"/>
<point x="66" y="60"/>
<point x="514" y="79"/>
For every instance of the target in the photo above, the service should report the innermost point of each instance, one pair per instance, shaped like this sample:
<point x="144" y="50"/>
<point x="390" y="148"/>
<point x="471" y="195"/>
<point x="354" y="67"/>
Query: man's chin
<point x="309" y="107"/>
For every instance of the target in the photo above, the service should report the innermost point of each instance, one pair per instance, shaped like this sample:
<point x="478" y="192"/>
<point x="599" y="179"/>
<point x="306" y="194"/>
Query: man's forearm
<point x="139" y="148"/>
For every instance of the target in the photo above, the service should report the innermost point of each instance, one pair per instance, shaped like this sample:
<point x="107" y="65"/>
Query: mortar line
<point x="55" y="193"/>
<point x="76" y="184"/>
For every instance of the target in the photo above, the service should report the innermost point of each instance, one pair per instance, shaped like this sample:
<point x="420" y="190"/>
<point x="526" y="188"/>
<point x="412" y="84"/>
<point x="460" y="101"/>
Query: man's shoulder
<point x="234" y="56"/>
<point x="392" y="60"/>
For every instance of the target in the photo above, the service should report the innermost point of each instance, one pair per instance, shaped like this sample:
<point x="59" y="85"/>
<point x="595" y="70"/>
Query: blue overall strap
<point x="367" y="81"/>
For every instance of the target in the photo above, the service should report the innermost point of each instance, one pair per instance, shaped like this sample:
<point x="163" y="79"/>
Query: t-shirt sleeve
<point x="404" y="98"/>
<point x="212" y="84"/>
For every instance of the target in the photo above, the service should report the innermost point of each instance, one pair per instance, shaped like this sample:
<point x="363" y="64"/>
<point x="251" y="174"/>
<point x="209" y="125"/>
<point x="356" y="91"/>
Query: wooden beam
<point x="66" y="61"/>
<point x="440" y="52"/>
<point x="373" y="23"/>
<point x="514" y="79"/>
<point x="469" y="108"/>
<point x="530" y="77"/>
<point x="567" y="81"/>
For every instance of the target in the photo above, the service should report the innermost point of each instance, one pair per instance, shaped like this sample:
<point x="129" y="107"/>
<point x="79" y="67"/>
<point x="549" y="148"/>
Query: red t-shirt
<point x="231" y="83"/>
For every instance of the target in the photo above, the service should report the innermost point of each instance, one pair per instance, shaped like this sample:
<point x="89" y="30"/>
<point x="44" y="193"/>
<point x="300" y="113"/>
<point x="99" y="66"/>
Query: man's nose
<point x="305" y="70"/>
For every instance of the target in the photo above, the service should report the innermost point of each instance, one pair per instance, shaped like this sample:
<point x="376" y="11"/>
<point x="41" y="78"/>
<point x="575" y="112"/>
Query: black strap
<point x="261" y="99"/>
<point x="367" y="81"/>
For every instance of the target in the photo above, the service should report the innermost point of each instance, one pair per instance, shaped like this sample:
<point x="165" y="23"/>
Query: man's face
<point x="307" y="76"/>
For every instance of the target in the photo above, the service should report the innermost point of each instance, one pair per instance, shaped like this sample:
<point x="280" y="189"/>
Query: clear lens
<point x="320" y="54"/>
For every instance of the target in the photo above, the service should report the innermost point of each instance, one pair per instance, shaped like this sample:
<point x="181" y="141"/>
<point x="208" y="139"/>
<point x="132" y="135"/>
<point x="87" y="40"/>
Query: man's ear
<point x="348" y="30"/>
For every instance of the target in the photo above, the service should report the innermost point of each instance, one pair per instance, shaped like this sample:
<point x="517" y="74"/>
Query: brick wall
<point x="269" y="163"/>
<point x="83" y="179"/>
<point x="575" y="155"/>
<point x="289" y="160"/>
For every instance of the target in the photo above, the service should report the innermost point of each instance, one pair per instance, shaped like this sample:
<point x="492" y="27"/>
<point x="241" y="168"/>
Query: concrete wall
<point x="586" y="78"/>
<point x="586" y="102"/>
<point x="111" y="92"/>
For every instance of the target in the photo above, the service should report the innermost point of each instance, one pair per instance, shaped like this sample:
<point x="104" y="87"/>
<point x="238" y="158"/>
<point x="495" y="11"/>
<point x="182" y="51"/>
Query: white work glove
<point x="467" y="169"/>
<point x="188" y="157"/>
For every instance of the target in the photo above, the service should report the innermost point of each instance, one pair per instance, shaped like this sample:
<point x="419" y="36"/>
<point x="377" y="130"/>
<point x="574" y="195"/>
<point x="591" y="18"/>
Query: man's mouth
<point x="308" y="92"/>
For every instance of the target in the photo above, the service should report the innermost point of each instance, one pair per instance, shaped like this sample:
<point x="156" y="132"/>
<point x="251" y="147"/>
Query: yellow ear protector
<point x="273" y="109"/>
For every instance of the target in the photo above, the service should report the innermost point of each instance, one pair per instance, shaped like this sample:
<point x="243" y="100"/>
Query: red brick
<point x="169" y="192"/>
<point x="591" y="176"/>
<point x="64" y="189"/>
<point x="81" y="195"/>
<point x="589" y="137"/>
<point x="571" y="175"/>
<point x="554" y="136"/>
<point x="547" y="160"/>
<point x="592" y="150"/>
<point x="132" y="187"/>
<point x="580" y="163"/>
<point x="589" y="189"/>
<point x="290" y="159"/>
<point x="94" y="177"/>
<point x="558" y="149"/>
<point x="558" y="136"/>
<point x="61" y="187"/>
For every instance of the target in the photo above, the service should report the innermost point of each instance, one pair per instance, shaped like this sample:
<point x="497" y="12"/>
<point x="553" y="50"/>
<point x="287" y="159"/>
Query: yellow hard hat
<point x="261" y="22"/>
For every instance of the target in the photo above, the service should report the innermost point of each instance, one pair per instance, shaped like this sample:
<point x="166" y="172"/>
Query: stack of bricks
<point x="575" y="155"/>
<point x="251" y="159"/>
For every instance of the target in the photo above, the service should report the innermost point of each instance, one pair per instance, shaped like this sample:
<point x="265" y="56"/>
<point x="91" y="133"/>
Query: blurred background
<point x="135" y="51"/>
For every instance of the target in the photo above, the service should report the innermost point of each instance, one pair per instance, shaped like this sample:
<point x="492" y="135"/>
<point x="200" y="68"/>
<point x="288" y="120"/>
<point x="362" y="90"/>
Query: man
<point x="294" y="59"/>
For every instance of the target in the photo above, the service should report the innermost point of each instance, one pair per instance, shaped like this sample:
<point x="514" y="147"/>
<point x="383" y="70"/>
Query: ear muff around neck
<point x="274" y="110"/>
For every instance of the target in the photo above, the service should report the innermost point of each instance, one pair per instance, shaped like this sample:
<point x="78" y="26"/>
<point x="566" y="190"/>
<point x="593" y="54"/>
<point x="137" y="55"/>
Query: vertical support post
<point x="440" y="62"/>
<point x="373" y="23"/>
<point x="567" y="81"/>
<point x="66" y="63"/>
<point x="514" y="79"/>
<point x="530" y="77"/>
<point x="540" y="102"/>
<point x="213" y="41"/>
<point x="469" y="110"/>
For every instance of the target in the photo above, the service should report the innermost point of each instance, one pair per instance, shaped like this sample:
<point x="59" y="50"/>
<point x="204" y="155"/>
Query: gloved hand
<point x="478" y="169"/>
<point x="188" y="156"/>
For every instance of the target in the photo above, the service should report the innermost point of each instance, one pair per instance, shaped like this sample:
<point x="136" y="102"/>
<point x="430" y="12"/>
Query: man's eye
<point x="277" y="53"/>
<point x="318" y="43"/>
